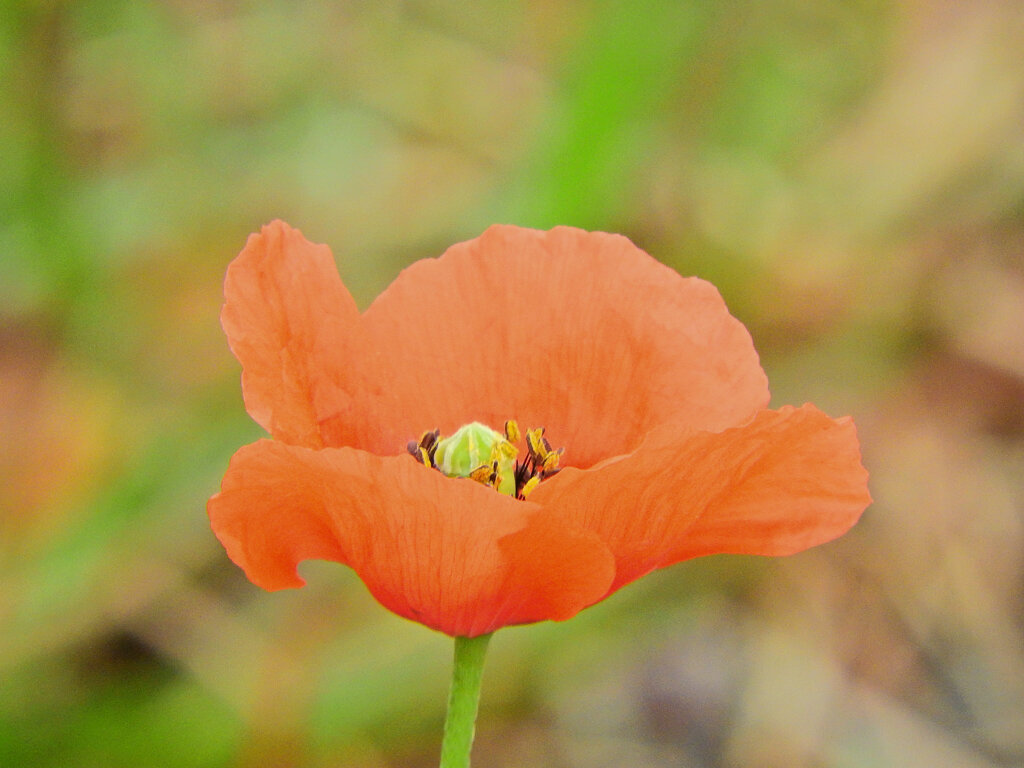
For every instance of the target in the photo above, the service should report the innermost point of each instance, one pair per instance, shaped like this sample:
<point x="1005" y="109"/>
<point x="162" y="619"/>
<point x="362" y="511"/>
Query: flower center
<point x="478" y="452"/>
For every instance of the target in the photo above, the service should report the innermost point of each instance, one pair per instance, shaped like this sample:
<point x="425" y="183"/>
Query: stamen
<point x="550" y="473"/>
<point x="428" y="442"/>
<point x="481" y="454"/>
<point x="550" y="463"/>
<point x="527" y="489"/>
<point x="420" y="454"/>
<point x="424" y="449"/>
<point x="504" y="450"/>
<point x="536" y="444"/>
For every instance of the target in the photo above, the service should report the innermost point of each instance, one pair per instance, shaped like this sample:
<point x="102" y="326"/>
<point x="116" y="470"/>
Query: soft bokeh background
<point x="849" y="173"/>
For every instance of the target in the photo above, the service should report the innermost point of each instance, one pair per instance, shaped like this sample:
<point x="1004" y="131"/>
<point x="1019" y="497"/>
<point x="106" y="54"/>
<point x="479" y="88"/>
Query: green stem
<point x="463" y="699"/>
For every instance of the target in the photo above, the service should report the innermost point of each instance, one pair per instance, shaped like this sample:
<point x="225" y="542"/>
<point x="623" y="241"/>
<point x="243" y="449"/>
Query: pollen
<point x="424" y="449"/>
<point x="532" y="483"/>
<point x="477" y="452"/>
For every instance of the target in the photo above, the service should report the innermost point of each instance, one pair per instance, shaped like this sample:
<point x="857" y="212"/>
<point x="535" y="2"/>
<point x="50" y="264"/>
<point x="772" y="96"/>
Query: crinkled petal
<point x="294" y="327"/>
<point x="786" y="481"/>
<point x="449" y="553"/>
<point x="581" y="332"/>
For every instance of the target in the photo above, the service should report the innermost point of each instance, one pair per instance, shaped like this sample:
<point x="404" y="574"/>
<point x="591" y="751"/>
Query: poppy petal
<point x="581" y="332"/>
<point x="293" y="325"/>
<point x="449" y="553"/>
<point x="786" y="481"/>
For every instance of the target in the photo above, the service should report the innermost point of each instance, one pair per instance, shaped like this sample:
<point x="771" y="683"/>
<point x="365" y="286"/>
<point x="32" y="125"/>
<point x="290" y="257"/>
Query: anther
<point x="550" y="463"/>
<point x="527" y="489"/>
<point x="538" y="447"/>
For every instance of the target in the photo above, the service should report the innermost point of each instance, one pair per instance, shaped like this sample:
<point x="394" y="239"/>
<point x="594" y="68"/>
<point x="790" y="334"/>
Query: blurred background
<point x="850" y="173"/>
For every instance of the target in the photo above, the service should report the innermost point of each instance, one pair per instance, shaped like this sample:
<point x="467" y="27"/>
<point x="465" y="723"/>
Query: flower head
<point x="650" y="390"/>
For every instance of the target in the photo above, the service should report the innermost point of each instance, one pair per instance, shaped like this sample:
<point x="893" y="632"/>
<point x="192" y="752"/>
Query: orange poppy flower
<point x="652" y="388"/>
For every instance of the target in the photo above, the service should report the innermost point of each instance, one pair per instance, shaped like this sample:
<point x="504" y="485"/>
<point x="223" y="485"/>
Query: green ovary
<point x="476" y="448"/>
